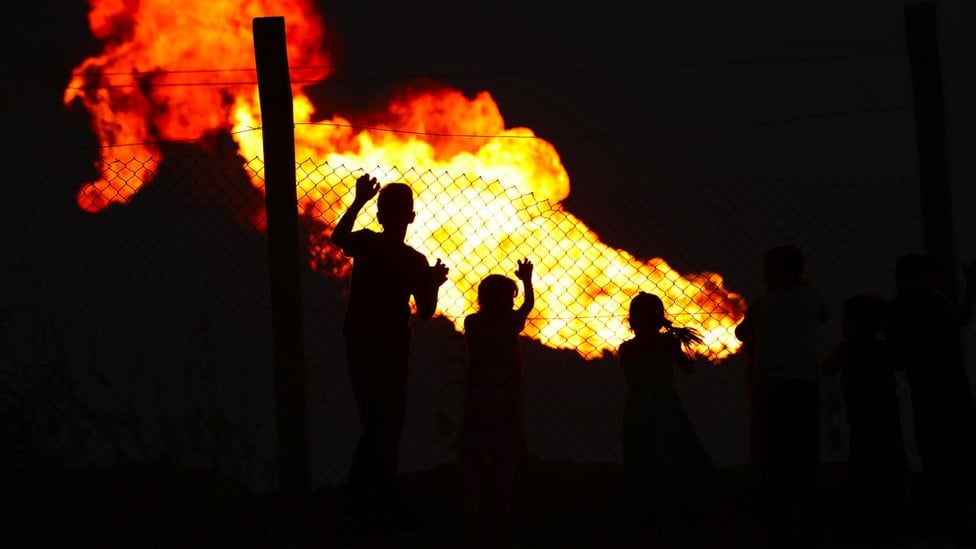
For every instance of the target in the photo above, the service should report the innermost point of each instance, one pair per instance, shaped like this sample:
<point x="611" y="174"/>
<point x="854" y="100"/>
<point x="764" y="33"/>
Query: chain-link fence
<point x="142" y="334"/>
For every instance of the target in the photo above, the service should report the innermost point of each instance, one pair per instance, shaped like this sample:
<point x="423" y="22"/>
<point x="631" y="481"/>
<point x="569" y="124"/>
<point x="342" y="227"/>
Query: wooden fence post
<point x="278" y="121"/>
<point x="935" y="187"/>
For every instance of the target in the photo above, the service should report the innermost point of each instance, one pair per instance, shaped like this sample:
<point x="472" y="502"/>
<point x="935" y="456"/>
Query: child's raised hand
<point x="524" y="271"/>
<point x="439" y="272"/>
<point x="366" y="188"/>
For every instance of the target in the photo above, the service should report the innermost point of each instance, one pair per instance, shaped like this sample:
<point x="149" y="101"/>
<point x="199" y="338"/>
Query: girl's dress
<point x="664" y="461"/>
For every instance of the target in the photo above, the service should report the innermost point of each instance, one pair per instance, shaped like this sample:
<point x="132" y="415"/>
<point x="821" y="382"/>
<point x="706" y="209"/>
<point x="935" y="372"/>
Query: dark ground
<point x="558" y="505"/>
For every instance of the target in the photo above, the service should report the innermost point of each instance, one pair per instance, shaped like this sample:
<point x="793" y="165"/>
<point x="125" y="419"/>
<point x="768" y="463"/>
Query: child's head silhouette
<point x="497" y="293"/>
<point x="782" y="267"/>
<point x="647" y="314"/>
<point x="864" y="316"/>
<point x="394" y="206"/>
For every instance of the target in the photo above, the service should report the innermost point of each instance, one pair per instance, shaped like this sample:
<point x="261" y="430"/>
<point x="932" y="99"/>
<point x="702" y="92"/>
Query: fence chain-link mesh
<point x="141" y="334"/>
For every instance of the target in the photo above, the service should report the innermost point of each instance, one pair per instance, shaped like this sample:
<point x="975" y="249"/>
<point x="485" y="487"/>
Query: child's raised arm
<point x="426" y="296"/>
<point x="366" y="189"/>
<point x="524" y="273"/>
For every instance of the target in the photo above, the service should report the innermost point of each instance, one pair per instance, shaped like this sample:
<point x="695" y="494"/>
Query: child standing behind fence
<point x="877" y="467"/>
<point x="664" y="461"/>
<point x="386" y="273"/>
<point x="492" y="437"/>
<point x="925" y="326"/>
<point x="780" y="329"/>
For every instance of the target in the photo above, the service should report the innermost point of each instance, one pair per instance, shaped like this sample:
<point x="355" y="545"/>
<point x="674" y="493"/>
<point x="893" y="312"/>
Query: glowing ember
<point x="155" y="82"/>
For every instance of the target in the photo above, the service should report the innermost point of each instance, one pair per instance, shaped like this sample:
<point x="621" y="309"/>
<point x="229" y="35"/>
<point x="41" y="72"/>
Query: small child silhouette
<point x="492" y="435"/>
<point x="664" y="461"/>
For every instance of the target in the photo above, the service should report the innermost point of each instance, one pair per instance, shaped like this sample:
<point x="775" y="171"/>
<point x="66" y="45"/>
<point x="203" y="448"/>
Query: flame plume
<point x="155" y="79"/>
<point x="154" y="82"/>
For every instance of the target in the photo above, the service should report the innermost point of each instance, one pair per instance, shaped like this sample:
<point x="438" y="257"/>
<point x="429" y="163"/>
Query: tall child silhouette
<point x="492" y="436"/>
<point x="925" y="327"/>
<point x="780" y="329"/>
<point x="386" y="272"/>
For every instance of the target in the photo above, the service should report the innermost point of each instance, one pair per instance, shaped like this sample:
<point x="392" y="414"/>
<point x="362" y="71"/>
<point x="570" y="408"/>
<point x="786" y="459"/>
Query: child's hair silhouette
<point x="647" y="316"/>
<point x="496" y="293"/>
<point x="394" y="205"/>
<point x="647" y="313"/>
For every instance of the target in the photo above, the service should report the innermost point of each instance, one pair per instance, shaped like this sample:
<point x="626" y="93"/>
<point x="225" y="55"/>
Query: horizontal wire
<point x="605" y="135"/>
<point x="474" y="74"/>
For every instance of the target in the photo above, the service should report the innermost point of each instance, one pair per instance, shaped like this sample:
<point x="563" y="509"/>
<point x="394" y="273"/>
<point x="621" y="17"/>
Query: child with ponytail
<point x="664" y="462"/>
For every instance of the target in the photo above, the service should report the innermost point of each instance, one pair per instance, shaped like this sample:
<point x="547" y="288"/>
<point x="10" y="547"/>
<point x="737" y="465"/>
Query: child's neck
<point x="395" y="232"/>
<point x="647" y="334"/>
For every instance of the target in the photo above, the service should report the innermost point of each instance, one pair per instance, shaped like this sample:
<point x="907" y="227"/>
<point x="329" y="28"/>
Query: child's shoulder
<point x="630" y="348"/>
<point x="628" y="344"/>
<point x="490" y="317"/>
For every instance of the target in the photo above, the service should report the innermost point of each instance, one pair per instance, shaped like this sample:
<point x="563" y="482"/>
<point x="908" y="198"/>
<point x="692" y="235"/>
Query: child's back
<point x="493" y="396"/>
<point x="780" y="334"/>
<point x="781" y="325"/>
<point x="870" y="390"/>
<point x="492" y="435"/>
<point x="876" y="456"/>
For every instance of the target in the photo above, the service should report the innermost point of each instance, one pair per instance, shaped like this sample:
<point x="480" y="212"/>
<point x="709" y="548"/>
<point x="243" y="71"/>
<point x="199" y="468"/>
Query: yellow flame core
<point x="479" y="226"/>
<point x="506" y="208"/>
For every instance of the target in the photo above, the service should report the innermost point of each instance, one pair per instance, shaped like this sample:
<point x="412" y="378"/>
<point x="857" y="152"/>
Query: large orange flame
<point x="155" y="81"/>
<point x="156" y="78"/>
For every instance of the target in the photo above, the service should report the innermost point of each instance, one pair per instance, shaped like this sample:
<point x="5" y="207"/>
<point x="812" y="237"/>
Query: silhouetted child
<point x="780" y="328"/>
<point x="492" y="436"/>
<point x="924" y="324"/>
<point x="664" y="461"/>
<point x="386" y="272"/>
<point x="876" y="458"/>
